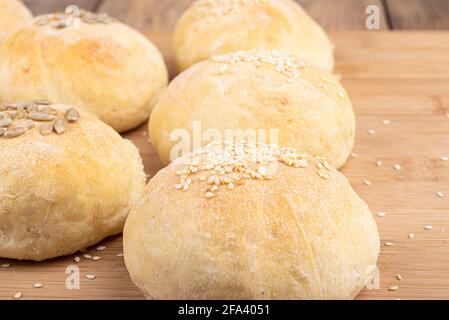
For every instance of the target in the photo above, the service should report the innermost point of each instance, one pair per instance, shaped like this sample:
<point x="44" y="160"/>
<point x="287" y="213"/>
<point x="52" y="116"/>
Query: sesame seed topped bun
<point x="244" y="221"/>
<point x="212" y="27"/>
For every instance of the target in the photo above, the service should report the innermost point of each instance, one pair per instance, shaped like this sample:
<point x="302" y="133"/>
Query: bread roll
<point x="211" y="27"/>
<point x="93" y="62"/>
<point x="257" y="90"/>
<point x="240" y="221"/>
<point x="13" y="16"/>
<point x="64" y="184"/>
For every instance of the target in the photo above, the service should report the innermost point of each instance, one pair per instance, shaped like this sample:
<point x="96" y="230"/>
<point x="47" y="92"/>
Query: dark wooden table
<point x="331" y="14"/>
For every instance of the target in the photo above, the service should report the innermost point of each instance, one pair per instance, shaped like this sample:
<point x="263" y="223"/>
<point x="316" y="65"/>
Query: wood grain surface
<point x="418" y="14"/>
<point x="402" y="77"/>
<point x="331" y="14"/>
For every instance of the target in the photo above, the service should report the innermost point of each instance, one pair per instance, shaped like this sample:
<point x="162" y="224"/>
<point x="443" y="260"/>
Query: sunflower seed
<point x="31" y="107"/>
<point x="42" y="21"/>
<point x="42" y="102"/>
<point x="59" y="126"/>
<point x="61" y="24"/>
<point x="5" y="265"/>
<point x="18" y="295"/>
<point x="96" y="258"/>
<point x="398" y="276"/>
<point x="5" y="121"/>
<point x="14" y="132"/>
<point x="72" y="115"/>
<point x="38" y="285"/>
<point x="26" y="124"/>
<point x="87" y="256"/>
<point x="90" y="276"/>
<point x="46" y="129"/>
<point x="49" y="110"/>
<point x="40" y="116"/>
<point x="411" y="235"/>
<point x="101" y="248"/>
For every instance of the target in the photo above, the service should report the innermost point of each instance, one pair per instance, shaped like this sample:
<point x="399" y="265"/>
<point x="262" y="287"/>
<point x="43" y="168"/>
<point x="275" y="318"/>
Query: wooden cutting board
<point x="402" y="77"/>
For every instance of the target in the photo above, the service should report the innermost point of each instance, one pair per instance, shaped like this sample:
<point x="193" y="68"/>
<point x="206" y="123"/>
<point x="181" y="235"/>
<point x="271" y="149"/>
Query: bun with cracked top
<point x="91" y="61"/>
<point x="67" y="180"/>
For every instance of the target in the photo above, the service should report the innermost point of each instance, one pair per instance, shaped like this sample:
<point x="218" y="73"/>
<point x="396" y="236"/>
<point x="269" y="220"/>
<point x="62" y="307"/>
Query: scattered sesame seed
<point x="87" y="256"/>
<point x="77" y="259"/>
<point x="38" y="285"/>
<point x="90" y="276"/>
<point x="379" y="163"/>
<point x="354" y="155"/>
<point x="440" y="194"/>
<point x="209" y="195"/>
<point x="429" y="227"/>
<point x="411" y="235"/>
<point x="367" y="183"/>
<point x="96" y="258"/>
<point x="6" y="265"/>
<point x="397" y="167"/>
<point x="381" y="214"/>
<point x="120" y="255"/>
<point x="341" y="94"/>
<point x="444" y="158"/>
<point x="394" y="288"/>
<point x="389" y="244"/>
<point x="398" y="276"/>
<point x="386" y="122"/>
<point x="371" y="131"/>
<point x="18" y="295"/>
<point x="101" y="248"/>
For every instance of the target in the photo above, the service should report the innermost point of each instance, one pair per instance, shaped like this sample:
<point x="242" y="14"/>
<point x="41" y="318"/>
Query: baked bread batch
<point x="214" y="27"/>
<point x="91" y="61"/>
<point x="263" y="90"/>
<point x="237" y="218"/>
<point x="13" y="16"/>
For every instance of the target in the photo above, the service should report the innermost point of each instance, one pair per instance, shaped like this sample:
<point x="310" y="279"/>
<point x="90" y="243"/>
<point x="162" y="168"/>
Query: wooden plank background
<point x="331" y="14"/>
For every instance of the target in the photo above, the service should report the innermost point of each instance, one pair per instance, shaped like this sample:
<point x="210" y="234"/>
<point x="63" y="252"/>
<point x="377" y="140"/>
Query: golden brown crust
<point x="13" y="16"/>
<point x="63" y="193"/>
<point x="258" y="90"/>
<point x="211" y="27"/>
<point x="295" y="235"/>
<point x="108" y="69"/>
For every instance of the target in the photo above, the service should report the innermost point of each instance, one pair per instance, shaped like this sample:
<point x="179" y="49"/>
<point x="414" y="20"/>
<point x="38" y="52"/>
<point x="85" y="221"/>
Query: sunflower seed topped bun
<point x="213" y="27"/>
<point x="13" y="15"/>
<point x="85" y="59"/>
<point x="290" y="227"/>
<point x="67" y="180"/>
<point x="258" y="89"/>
